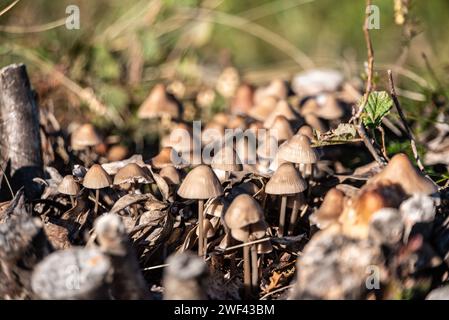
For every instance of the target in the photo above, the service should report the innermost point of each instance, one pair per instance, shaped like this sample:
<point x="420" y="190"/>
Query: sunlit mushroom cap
<point x="84" y="136"/>
<point x="117" y="153"/>
<point x="221" y="118"/>
<point x="180" y="138"/>
<point x="307" y="131"/>
<point x="330" y="209"/>
<point x="282" y="109"/>
<point x="286" y="180"/>
<point x="298" y="150"/>
<point x="315" y="122"/>
<point x="214" y="208"/>
<point x="226" y="159"/>
<point x="131" y="173"/>
<point x="163" y="158"/>
<point x="243" y="99"/>
<point x="281" y="129"/>
<point x="276" y="88"/>
<point x="329" y="109"/>
<point x="263" y="109"/>
<point x="159" y="104"/>
<point x="96" y="178"/>
<point x="400" y="170"/>
<point x="200" y="183"/>
<point x="243" y="211"/>
<point x="208" y="229"/>
<point x="250" y="232"/>
<point x="69" y="186"/>
<point x="171" y="175"/>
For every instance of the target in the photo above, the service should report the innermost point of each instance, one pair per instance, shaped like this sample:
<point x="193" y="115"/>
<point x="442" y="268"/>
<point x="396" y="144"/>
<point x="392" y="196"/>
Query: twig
<point x="382" y="138"/>
<point x="7" y="181"/>
<point x="408" y="131"/>
<point x="246" y="244"/>
<point x="33" y="29"/>
<point x="276" y="291"/>
<point x="8" y="7"/>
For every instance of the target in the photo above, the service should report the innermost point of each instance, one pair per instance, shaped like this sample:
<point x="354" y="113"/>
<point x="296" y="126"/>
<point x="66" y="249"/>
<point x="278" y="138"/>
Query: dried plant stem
<point x="97" y="198"/>
<point x="408" y="131"/>
<point x="245" y="244"/>
<point x="72" y="201"/>
<point x="200" y="228"/>
<point x="382" y="138"/>
<point x="282" y="216"/>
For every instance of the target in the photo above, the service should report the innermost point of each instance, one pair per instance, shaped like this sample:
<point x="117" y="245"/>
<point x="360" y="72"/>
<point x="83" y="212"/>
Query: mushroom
<point x="330" y="108"/>
<point x="330" y="209"/>
<point x="171" y="175"/>
<point x="284" y="182"/>
<point x="282" y="109"/>
<point x="208" y="232"/>
<point x="200" y="184"/>
<point x="315" y="122"/>
<point x="307" y="131"/>
<point x="298" y="150"/>
<point x="243" y="99"/>
<point x="163" y="158"/>
<point x="400" y="170"/>
<point x="245" y="219"/>
<point x="70" y="187"/>
<point x="263" y="109"/>
<point x="159" y="103"/>
<point x="96" y="178"/>
<point x="84" y="137"/>
<point x="281" y="129"/>
<point x="226" y="159"/>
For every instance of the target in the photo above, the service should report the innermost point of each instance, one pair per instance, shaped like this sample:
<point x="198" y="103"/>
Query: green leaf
<point x="378" y="106"/>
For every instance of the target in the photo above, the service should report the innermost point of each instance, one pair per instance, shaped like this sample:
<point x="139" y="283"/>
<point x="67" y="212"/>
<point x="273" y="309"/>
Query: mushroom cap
<point x="117" y="153"/>
<point x="281" y="129"/>
<point x="214" y="208"/>
<point x="69" y="186"/>
<point x="282" y="109"/>
<point x="200" y="183"/>
<point x="330" y="209"/>
<point x="243" y="211"/>
<point x="131" y="173"/>
<point x="400" y="170"/>
<point x="276" y="88"/>
<point x="180" y="138"/>
<point x="226" y="159"/>
<point x="250" y="232"/>
<point x="96" y="178"/>
<point x="243" y="99"/>
<point x="171" y="175"/>
<point x="163" y="158"/>
<point x="264" y="247"/>
<point x="310" y="106"/>
<point x="221" y="118"/>
<point x="330" y="108"/>
<point x="159" y="103"/>
<point x="298" y="150"/>
<point x="208" y="229"/>
<point x="315" y="122"/>
<point x="307" y="131"/>
<point x="84" y="136"/>
<point x="286" y="180"/>
<point x="263" y="109"/>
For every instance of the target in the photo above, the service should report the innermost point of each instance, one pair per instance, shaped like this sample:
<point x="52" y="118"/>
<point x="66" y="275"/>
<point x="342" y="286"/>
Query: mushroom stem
<point x="97" y="197"/>
<point x="309" y="191"/>
<point x="282" y="216"/>
<point x="200" y="227"/>
<point x="72" y="201"/>
<point x="246" y="272"/>
<point x="293" y="217"/>
<point x="254" y="268"/>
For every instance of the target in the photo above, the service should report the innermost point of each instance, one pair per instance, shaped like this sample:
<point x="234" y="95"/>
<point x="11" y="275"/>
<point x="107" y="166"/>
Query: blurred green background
<point x="124" y="47"/>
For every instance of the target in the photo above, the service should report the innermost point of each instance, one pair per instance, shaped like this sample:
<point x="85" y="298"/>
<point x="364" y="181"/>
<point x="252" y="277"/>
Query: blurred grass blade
<point x="8" y="7"/>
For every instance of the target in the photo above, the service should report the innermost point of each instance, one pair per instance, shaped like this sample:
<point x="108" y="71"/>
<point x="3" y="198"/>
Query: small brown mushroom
<point x="96" y="178"/>
<point x="330" y="209"/>
<point x="159" y="104"/>
<point x="70" y="187"/>
<point x="84" y="136"/>
<point x="200" y="184"/>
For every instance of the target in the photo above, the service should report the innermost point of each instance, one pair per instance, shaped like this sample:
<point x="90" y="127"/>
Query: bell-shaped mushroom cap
<point x="96" y="178"/>
<point x="84" y="136"/>
<point x="250" y="232"/>
<point x="281" y="129"/>
<point x="243" y="211"/>
<point x="315" y="122"/>
<point x="171" y="175"/>
<point x="212" y="133"/>
<point x="307" y="131"/>
<point x="117" y="153"/>
<point x="237" y="122"/>
<point x="163" y="158"/>
<point x="69" y="186"/>
<point x="329" y="109"/>
<point x="286" y="180"/>
<point x="310" y="106"/>
<point x="131" y="173"/>
<point x="330" y="209"/>
<point x="282" y="109"/>
<point x="221" y="118"/>
<point x="180" y="138"/>
<point x="200" y="183"/>
<point x="263" y="109"/>
<point x="264" y="247"/>
<point x="208" y="229"/>
<point x="400" y="170"/>
<point x="298" y="150"/>
<point x="214" y="208"/>
<point x="243" y="100"/>
<point x="158" y="104"/>
<point x="276" y="88"/>
<point x="226" y="159"/>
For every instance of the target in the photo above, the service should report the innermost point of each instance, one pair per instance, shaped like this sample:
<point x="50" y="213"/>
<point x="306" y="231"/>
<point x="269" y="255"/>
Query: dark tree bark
<point x="23" y="244"/>
<point x="20" y="140"/>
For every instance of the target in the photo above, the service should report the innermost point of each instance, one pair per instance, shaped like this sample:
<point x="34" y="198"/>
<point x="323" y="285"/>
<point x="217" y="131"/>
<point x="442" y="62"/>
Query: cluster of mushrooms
<point x="249" y="217"/>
